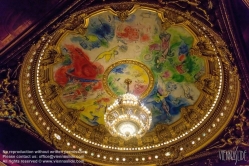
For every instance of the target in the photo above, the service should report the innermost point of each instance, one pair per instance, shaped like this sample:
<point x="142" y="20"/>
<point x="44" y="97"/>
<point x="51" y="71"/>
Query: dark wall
<point x="241" y="18"/>
<point x="12" y="138"/>
<point x="17" y="16"/>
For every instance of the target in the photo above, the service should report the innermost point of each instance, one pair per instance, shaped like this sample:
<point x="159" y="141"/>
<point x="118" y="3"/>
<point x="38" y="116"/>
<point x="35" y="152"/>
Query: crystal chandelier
<point x="127" y="117"/>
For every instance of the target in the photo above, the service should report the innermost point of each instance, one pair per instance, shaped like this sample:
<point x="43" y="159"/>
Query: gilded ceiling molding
<point x="61" y="80"/>
<point x="235" y="135"/>
<point x="233" y="138"/>
<point x="10" y="108"/>
<point x="201" y="8"/>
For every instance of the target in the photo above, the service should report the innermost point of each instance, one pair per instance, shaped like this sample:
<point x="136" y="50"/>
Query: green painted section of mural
<point x="107" y="40"/>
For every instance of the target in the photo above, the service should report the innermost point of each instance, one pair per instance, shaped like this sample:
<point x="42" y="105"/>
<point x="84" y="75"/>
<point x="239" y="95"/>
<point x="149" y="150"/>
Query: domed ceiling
<point x="178" y="67"/>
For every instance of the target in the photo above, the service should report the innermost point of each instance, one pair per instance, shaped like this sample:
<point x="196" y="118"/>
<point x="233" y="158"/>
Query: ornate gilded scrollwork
<point x="51" y="56"/>
<point x="163" y="133"/>
<point x="50" y="91"/>
<point x="205" y="103"/>
<point x="58" y="109"/>
<point x="148" y="140"/>
<point x="226" y="55"/>
<point x="98" y="133"/>
<point x="44" y="74"/>
<point x="10" y="109"/>
<point x="113" y="141"/>
<point x="199" y="7"/>
<point x="131" y="143"/>
<point x="171" y="154"/>
<point x="123" y="15"/>
<point x="192" y="115"/>
<point x="70" y="117"/>
<point x="73" y="22"/>
<point x="123" y="11"/>
<point x="122" y="7"/>
<point x="205" y="48"/>
<point x="235" y="133"/>
<point x="54" y="136"/>
<point x="209" y="86"/>
<point x="171" y="18"/>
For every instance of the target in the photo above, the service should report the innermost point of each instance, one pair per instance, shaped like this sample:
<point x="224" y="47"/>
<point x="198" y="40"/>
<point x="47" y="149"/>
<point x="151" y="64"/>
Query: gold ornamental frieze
<point x="181" y="70"/>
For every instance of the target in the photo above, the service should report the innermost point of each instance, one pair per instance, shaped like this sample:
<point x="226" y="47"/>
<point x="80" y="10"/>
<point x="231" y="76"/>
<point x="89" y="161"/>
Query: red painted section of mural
<point x="129" y="33"/>
<point x="80" y="68"/>
<point x="60" y="75"/>
<point x="132" y="34"/>
<point x="83" y="68"/>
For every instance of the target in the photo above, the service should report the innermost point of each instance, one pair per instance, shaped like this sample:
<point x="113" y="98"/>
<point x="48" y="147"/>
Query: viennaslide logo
<point x="232" y="155"/>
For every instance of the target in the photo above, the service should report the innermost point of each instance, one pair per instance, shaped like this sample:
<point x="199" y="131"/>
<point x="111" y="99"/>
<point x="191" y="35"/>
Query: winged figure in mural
<point x="108" y="54"/>
<point x="165" y="38"/>
<point x="162" y="91"/>
<point x="162" y="48"/>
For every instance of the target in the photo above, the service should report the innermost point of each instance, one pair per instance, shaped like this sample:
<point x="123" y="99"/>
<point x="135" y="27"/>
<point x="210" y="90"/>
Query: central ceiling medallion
<point x="116" y="73"/>
<point x="127" y="117"/>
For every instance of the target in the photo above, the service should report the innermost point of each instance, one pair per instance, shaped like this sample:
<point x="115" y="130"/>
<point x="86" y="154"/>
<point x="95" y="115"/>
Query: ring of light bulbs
<point x="122" y="148"/>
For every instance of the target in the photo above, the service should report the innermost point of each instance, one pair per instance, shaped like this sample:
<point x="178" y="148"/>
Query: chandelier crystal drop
<point x="127" y="117"/>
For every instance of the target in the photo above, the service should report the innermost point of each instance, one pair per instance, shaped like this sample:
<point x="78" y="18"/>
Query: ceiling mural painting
<point x="179" y="69"/>
<point x="166" y="53"/>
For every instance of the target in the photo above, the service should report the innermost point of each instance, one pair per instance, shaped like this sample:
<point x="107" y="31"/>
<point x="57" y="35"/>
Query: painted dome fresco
<point x="178" y="67"/>
<point x="133" y="49"/>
